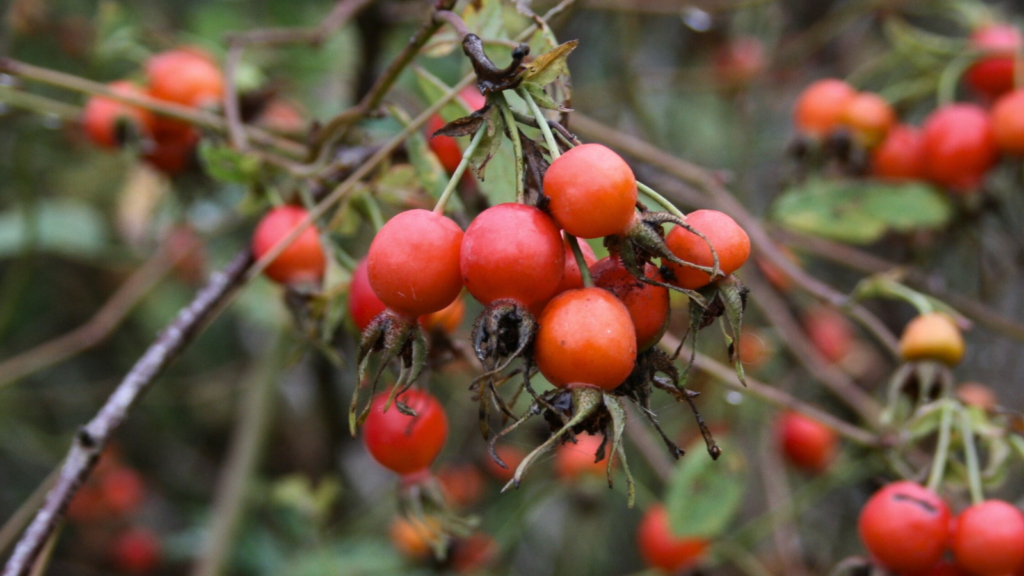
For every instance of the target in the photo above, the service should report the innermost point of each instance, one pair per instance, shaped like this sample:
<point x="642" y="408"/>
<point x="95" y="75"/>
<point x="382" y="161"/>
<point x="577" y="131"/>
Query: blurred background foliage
<point x="77" y="222"/>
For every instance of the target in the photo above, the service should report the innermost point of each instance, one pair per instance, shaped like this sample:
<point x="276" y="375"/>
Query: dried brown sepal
<point x="393" y="337"/>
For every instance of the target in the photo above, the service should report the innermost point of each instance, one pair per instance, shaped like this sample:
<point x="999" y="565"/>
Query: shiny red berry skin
<point x="900" y="156"/>
<point x="185" y="77"/>
<point x="648" y="305"/>
<point x="592" y="192"/>
<point x="512" y="251"/>
<point x="805" y="442"/>
<point x="1008" y="122"/>
<point x="992" y="76"/>
<point x="662" y="549"/>
<point x="585" y="336"/>
<point x="958" y="147"/>
<point x="730" y="241"/>
<point x="413" y="263"/>
<point x="819" y="109"/>
<point x="988" y="539"/>
<point x="363" y="303"/>
<point x="406" y="444"/>
<point x="301" y="262"/>
<point x="102" y="117"/>
<point x="136" y="551"/>
<point x="905" y="527"/>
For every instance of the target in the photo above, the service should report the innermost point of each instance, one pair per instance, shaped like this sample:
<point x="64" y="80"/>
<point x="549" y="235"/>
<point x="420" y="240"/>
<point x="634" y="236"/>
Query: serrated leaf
<point x="489" y="144"/>
<point x="861" y="212"/>
<point x="704" y="495"/>
<point x="226" y="164"/>
<point x="546" y="67"/>
<point x="540" y="96"/>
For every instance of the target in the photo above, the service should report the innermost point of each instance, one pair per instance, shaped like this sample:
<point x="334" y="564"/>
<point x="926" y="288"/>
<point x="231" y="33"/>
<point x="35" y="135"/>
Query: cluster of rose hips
<point x="583" y="330"/>
<point x="908" y="529"/>
<point x="185" y="76"/>
<point x="957" y="144"/>
<point x="109" y="500"/>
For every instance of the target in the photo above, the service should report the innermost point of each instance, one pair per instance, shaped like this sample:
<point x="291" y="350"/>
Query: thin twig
<point x="232" y="114"/>
<point x="773" y="396"/>
<point x="242" y="459"/>
<point x="95" y="330"/>
<point x="171" y="110"/>
<point x="93" y="437"/>
<point x="871" y="264"/>
<point x="705" y="182"/>
<point x="342" y="12"/>
<point x="793" y="337"/>
<point x="337" y="127"/>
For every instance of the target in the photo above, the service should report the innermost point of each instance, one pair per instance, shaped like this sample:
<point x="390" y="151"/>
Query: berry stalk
<point x="542" y="122"/>
<point x="971" y="457"/>
<point x="459" y="171"/>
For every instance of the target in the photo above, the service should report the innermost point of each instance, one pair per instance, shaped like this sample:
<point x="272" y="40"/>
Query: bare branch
<point x="769" y="394"/>
<point x="93" y="437"/>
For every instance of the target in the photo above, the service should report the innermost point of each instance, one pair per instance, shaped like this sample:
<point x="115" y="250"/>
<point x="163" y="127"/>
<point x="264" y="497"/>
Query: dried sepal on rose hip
<point x="512" y="261"/>
<point x="413" y="268"/>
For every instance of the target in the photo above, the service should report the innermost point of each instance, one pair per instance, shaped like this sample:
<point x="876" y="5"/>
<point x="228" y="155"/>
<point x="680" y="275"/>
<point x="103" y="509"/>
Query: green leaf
<point x="541" y="97"/>
<point x="704" y="495"/>
<point x="549" y="65"/>
<point x="861" y="212"/>
<point x="226" y="164"/>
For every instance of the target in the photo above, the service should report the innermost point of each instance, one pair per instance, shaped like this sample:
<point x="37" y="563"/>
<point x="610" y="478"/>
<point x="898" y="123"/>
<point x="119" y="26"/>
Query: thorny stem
<point x="542" y="122"/>
<point x="581" y="263"/>
<point x="971" y="457"/>
<point x="517" y="146"/>
<point x="942" y="449"/>
<point x="459" y="171"/>
<point x="650" y="193"/>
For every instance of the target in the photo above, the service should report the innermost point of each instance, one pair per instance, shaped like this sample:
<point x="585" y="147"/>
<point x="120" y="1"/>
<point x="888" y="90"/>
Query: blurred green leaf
<point x="63" y="226"/>
<point x="861" y="212"/>
<point x="704" y="494"/>
<point x="226" y="164"/>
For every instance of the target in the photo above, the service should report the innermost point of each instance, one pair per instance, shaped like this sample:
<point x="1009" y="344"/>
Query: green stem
<point x="517" y="146"/>
<point x="951" y="75"/>
<point x="650" y="193"/>
<point x="588" y="282"/>
<point x="942" y="450"/>
<point x="460" y="170"/>
<point x="971" y="456"/>
<point x="542" y="122"/>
